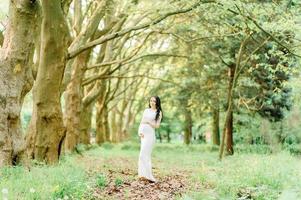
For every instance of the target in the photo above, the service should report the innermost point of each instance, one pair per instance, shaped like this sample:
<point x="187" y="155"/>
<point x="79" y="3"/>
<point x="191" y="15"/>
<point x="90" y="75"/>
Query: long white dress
<point x="147" y="143"/>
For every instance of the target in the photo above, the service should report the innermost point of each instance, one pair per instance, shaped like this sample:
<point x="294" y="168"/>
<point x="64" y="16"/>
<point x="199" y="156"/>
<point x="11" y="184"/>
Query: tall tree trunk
<point x="229" y="129"/>
<point x="229" y="136"/>
<point x="85" y="124"/>
<point x="129" y="114"/>
<point x="160" y="136"/>
<point x="100" y="136"/>
<point x="122" y="119"/>
<point x="86" y="121"/>
<point x="130" y="119"/>
<point x="16" y="58"/>
<point x="106" y="123"/>
<point x="46" y="129"/>
<point x="188" y="127"/>
<point x="1" y="38"/>
<point x="100" y="117"/>
<point x="168" y="135"/>
<point x="74" y="90"/>
<point x="114" y="127"/>
<point x="73" y="101"/>
<point x="229" y="112"/>
<point x="215" y="126"/>
<point x="102" y="123"/>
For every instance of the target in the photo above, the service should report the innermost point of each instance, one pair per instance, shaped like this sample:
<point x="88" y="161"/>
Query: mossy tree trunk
<point x="114" y="126"/>
<point x="229" y="129"/>
<point x="100" y="115"/>
<point x="46" y="129"/>
<point x="215" y="126"/>
<point x="16" y="59"/>
<point x="86" y="120"/>
<point x="187" y="127"/>
<point x="74" y="107"/>
<point x="74" y="91"/>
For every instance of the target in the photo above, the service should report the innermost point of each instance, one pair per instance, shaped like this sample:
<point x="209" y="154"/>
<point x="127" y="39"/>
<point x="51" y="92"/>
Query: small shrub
<point x="294" y="149"/>
<point x="107" y="145"/>
<point x="258" y="149"/>
<point x="101" y="181"/>
<point x="118" y="182"/>
<point x="130" y="146"/>
<point x="80" y="148"/>
<point x="15" y="172"/>
<point x="71" y="190"/>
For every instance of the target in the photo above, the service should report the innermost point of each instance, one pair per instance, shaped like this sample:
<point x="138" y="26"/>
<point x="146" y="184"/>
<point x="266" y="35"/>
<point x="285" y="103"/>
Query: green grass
<point x="101" y="181"/>
<point x="262" y="175"/>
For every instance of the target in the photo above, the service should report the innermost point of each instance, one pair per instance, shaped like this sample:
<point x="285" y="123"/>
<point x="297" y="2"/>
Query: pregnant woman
<point x="151" y="119"/>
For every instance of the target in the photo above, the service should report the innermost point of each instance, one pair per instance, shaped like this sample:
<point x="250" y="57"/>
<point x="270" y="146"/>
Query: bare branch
<point x="98" y="76"/>
<point x="135" y="51"/>
<point x="139" y="75"/>
<point x="90" y="28"/>
<point x="111" y="36"/>
<point x="199" y="38"/>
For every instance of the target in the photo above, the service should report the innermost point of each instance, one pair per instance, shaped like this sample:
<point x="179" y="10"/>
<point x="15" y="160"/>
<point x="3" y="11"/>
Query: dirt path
<point x="116" y="178"/>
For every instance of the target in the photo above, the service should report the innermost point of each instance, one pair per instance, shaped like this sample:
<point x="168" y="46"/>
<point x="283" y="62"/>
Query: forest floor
<point x="110" y="172"/>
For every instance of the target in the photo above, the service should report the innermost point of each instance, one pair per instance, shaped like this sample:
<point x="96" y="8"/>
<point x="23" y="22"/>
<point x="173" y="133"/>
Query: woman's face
<point x="152" y="102"/>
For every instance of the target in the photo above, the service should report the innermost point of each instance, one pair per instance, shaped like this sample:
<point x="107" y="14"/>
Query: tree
<point x="46" y="129"/>
<point x="16" y="60"/>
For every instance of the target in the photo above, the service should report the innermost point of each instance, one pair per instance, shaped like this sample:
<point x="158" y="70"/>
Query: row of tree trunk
<point x="46" y="52"/>
<point x="215" y="114"/>
<point x="42" y="58"/>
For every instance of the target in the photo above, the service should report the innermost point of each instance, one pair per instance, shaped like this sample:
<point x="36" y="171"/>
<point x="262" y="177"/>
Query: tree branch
<point x="198" y="38"/>
<point x="262" y="29"/>
<point x="98" y="76"/>
<point x="135" y="51"/>
<point x="111" y="36"/>
<point x="139" y="75"/>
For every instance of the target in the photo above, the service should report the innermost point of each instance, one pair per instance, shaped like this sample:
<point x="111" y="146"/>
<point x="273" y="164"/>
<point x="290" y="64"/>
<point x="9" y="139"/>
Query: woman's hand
<point x="148" y="122"/>
<point x="151" y="124"/>
<point x="144" y="122"/>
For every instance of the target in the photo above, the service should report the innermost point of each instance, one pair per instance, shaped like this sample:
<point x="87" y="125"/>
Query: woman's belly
<point x="146" y="129"/>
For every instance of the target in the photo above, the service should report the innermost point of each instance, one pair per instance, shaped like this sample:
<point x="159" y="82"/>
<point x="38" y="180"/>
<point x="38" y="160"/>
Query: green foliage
<point x="130" y="146"/>
<point x="107" y="145"/>
<point x="250" y="172"/>
<point x="118" y="182"/>
<point x="294" y="149"/>
<point x="255" y="148"/>
<point x="272" y="70"/>
<point x="64" y="179"/>
<point x="101" y="181"/>
<point x="11" y="172"/>
<point x="72" y="190"/>
<point x="80" y="148"/>
<point x="254" y="179"/>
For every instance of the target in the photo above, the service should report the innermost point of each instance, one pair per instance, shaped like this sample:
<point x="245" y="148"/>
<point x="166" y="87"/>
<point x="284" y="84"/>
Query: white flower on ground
<point x="66" y="197"/>
<point x="5" y="191"/>
<point x="31" y="190"/>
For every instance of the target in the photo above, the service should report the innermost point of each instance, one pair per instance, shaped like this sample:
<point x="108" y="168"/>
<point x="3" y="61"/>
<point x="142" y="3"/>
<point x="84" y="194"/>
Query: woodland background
<point x="76" y="75"/>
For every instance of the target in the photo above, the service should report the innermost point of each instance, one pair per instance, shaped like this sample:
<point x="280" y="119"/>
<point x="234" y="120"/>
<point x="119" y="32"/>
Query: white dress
<point x="147" y="143"/>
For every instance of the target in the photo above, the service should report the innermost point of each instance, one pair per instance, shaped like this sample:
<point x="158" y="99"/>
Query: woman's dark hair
<point x="158" y="107"/>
